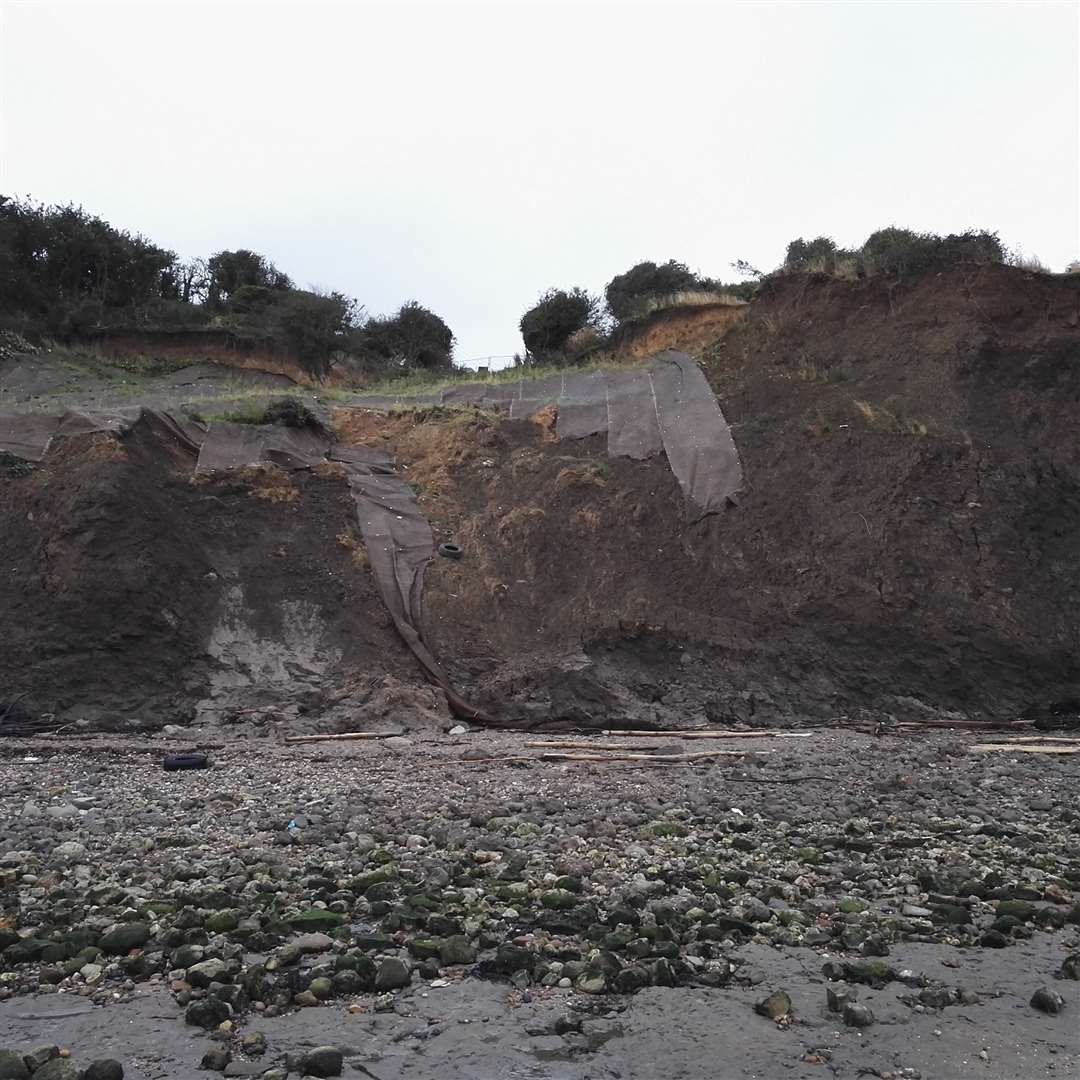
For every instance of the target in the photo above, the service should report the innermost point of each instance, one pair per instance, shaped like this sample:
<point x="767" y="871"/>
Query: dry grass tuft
<point x="1032" y="263"/>
<point x="689" y="298"/>
<point x="586" y="474"/>
<point x="268" y="481"/>
<point x="585" y="521"/>
<point x="356" y="548"/>
<point x="330" y="470"/>
<point x="520" y="520"/>
<point x="432" y="451"/>
<point x="547" y="420"/>
<point x="881" y="419"/>
<point x="354" y="427"/>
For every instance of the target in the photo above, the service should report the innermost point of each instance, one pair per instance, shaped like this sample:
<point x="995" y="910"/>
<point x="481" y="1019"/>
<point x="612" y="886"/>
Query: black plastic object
<point x="450" y="551"/>
<point x="175" y="762"/>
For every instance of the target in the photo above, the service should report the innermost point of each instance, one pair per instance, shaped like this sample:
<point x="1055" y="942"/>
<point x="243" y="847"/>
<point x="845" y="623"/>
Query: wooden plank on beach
<point x="700" y="755"/>
<point x="346" y="736"/>
<point x="1025" y="748"/>
<point x="694" y="733"/>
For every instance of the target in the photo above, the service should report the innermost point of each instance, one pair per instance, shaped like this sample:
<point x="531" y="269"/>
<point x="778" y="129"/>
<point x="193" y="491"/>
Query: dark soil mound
<point x="132" y="590"/>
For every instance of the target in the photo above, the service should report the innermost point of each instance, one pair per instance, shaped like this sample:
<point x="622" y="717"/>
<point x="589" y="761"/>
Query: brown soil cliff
<point x="906" y="543"/>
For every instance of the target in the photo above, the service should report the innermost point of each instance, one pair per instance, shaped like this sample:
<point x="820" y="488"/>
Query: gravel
<point x="316" y="878"/>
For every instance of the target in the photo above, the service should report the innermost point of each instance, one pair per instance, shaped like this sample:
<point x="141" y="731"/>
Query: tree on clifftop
<point x="627" y="294"/>
<point x="413" y="337"/>
<point x="228" y="271"/>
<point x="559" y="314"/>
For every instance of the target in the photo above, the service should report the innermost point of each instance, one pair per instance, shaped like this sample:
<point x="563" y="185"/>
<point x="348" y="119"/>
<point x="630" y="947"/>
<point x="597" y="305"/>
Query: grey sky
<point x="471" y="156"/>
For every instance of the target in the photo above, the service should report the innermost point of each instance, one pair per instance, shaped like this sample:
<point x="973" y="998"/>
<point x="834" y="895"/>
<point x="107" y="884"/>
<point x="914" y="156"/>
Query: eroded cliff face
<point x="906" y="541"/>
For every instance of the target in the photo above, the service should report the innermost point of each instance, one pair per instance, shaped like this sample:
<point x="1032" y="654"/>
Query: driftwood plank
<point x="698" y="756"/>
<point x="347" y="736"/>
<point x="695" y="733"/>
<point x="1025" y="748"/>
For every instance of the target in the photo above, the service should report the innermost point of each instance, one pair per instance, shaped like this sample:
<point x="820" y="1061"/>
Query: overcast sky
<point x="471" y="156"/>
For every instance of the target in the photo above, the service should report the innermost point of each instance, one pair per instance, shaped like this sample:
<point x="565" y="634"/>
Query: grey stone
<point x="207" y="1013"/>
<point x="215" y="1059"/>
<point x="775" y="1006"/>
<point x="254" y="1044"/>
<point x="187" y="956"/>
<point x="856" y="1015"/>
<point x="837" y="995"/>
<point x="392" y="975"/>
<point x="457" y="949"/>
<point x="68" y="852"/>
<point x="58" y="1069"/>
<point x="938" y="997"/>
<point x="349" y="982"/>
<point x="104" y="1069"/>
<point x="756" y="911"/>
<point x="121" y="938"/>
<point x="313" y="943"/>
<point x="39" y="1055"/>
<point x="1070" y="967"/>
<point x="592" y="982"/>
<point x="1048" y="1001"/>
<point x="12" y="1066"/>
<point x="207" y="972"/>
<point x="323" y="1061"/>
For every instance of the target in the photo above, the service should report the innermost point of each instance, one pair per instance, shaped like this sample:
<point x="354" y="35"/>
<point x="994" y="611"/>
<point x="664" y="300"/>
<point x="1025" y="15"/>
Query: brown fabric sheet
<point x="582" y="405"/>
<point x="633" y="427"/>
<point x="227" y="446"/>
<point x="696" y="436"/>
<point x="26" y="435"/>
<point x="29" y="435"/>
<point x="399" y="547"/>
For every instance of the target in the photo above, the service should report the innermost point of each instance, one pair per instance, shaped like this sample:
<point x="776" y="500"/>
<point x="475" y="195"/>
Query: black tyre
<point x="450" y="551"/>
<point x="194" y="760"/>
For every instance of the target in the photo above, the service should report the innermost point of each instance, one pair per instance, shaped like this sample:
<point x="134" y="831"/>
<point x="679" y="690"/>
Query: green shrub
<point x="54" y="259"/>
<point x="810" y="254"/>
<point x="627" y="294"/>
<point x="557" y="316"/>
<point x="897" y="252"/>
<point x="894" y="252"/>
<point x="412" y="338"/>
<point x="312" y="326"/>
<point x="230" y="271"/>
<point x="900" y="252"/>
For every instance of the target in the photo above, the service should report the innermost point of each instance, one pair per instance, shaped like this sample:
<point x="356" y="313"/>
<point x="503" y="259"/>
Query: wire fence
<point x="490" y="363"/>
